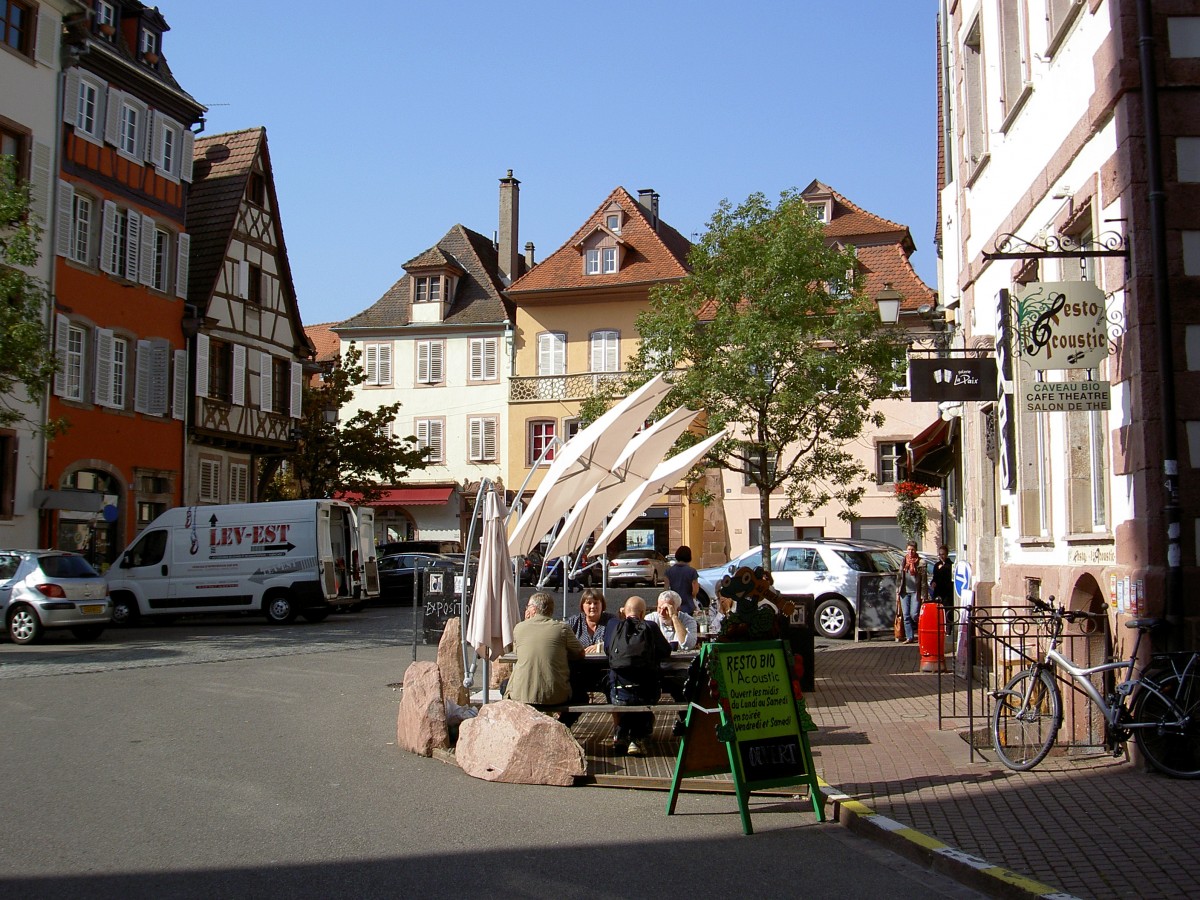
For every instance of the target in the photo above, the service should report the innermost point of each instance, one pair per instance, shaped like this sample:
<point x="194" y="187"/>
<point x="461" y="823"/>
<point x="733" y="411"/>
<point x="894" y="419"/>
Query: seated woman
<point x="589" y="626"/>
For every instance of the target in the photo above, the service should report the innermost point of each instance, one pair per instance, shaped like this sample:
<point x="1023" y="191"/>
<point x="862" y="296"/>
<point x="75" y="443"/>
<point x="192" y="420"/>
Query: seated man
<point x="635" y="647"/>
<point x="543" y="646"/>
<point x="677" y="627"/>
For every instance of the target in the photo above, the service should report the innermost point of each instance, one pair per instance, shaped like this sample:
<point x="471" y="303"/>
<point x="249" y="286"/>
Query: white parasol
<point x="582" y="462"/>
<point x="665" y="476"/>
<point x="494" y="608"/>
<point x="634" y="467"/>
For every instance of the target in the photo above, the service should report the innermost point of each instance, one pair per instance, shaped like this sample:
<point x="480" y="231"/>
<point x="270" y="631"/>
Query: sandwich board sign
<point x="754" y="725"/>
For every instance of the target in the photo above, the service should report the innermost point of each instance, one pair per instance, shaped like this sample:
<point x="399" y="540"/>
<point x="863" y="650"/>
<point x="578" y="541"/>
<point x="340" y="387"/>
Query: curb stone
<point x="971" y="871"/>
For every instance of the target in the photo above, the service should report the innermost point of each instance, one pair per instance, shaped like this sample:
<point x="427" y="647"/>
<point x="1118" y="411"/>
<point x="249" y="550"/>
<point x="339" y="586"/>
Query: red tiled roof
<point x="327" y="343"/>
<point x="888" y="263"/>
<point x="650" y="255"/>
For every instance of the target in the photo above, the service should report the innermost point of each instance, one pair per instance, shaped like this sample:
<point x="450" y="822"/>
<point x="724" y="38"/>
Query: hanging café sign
<point x="1062" y="325"/>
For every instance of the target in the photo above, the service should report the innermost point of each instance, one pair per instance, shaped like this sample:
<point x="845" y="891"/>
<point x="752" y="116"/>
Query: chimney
<point x="529" y="255"/>
<point x="648" y="200"/>
<point x="510" y="202"/>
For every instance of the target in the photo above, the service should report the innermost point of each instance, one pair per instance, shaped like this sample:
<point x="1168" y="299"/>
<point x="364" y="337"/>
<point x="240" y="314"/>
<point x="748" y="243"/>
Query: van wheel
<point x="316" y="615"/>
<point x="279" y="609"/>
<point x="125" y="610"/>
<point x="833" y="618"/>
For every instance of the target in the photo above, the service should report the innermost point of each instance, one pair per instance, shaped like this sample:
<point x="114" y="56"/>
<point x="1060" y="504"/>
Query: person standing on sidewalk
<point x="942" y="580"/>
<point x="684" y="580"/>
<point x="911" y="589"/>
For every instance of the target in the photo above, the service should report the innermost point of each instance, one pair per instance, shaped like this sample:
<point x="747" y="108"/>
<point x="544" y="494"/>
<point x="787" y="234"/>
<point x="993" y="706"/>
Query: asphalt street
<point x="231" y="758"/>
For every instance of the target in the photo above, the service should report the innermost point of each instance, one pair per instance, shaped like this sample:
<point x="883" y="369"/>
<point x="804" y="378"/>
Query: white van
<point x="278" y="559"/>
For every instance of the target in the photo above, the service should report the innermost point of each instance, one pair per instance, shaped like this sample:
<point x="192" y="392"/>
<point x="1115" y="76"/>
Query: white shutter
<point x="490" y="363"/>
<point x="385" y="363"/>
<point x="423" y="362"/>
<point x="371" y="363"/>
<point x="202" y="365"/>
<point x="295" y="409"/>
<point x="108" y="237"/>
<point x="160" y="376"/>
<point x="179" y="385"/>
<point x="103" y="379"/>
<point x="476" y="441"/>
<point x="154" y="146"/>
<point x="48" y="29"/>
<point x="112" y="117"/>
<point x="62" y="332"/>
<point x="243" y="280"/>
<point x="422" y="429"/>
<point x="146" y="254"/>
<point x="610" y="358"/>
<point x="70" y="110"/>
<point x="40" y="181"/>
<point x="239" y="375"/>
<point x="435" y="438"/>
<point x="145" y="372"/>
<point x="266" y="366"/>
<point x="181" y="265"/>
<point x="64" y="230"/>
<point x="133" y="231"/>
<point x="489" y="439"/>
<point x="476" y="373"/>
<point x="551" y="354"/>
<point x="597" y="364"/>
<point x="187" y="148"/>
<point x="435" y="362"/>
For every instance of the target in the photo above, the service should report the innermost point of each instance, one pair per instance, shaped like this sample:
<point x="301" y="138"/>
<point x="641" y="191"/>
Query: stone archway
<point x="97" y="535"/>
<point x="1087" y="646"/>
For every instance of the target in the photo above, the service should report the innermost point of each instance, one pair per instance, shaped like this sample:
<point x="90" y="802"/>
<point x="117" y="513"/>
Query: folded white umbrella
<point x="635" y="465"/>
<point x="494" y="608"/>
<point x="665" y="476"/>
<point x="582" y="462"/>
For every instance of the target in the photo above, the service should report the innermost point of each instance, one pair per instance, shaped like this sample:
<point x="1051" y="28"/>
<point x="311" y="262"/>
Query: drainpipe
<point x="1162" y="302"/>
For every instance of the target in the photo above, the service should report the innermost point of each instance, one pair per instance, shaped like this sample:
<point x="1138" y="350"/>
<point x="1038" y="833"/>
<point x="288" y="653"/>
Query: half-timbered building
<point x="120" y="279"/>
<point x="248" y="346"/>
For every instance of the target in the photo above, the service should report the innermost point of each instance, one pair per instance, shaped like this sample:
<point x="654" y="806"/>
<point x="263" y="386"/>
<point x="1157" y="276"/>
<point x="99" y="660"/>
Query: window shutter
<point x="62" y="330"/>
<point x="435" y="438"/>
<point x="40" y="181"/>
<point x="371" y="363"/>
<point x="423" y="362"/>
<point x="545" y="353"/>
<point x="598" y="352"/>
<point x="179" y="385"/>
<point x="489" y="439"/>
<point x="146" y="273"/>
<point x="103" y="380"/>
<point x="186" y="149"/>
<point x="112" y="117"/>
<point x="108" y="237"/>
<point x="70" y="110"/>
<point x="490" y="359"/>
<point x="181" y="265"/>
<point x="145" y="372"/>
<point x="295" y="410"/>
<point x="266" y="367"/>
<point x="422" y="430"/>
<point x="476" y="360"/>
<point x="133" y="232"/>
<point x="243" y="280"/>
<point x="435" y="362"/>
<point x="65" y="226"/>
<point x="154" y="147"/>
<point x="47" y="36"/>
<point x="160" y="377"/>
<point x="202" y="365"/>
<point x="476" y="442"/>
<point x="385" y="363"/>
<point x="239" y="375"/>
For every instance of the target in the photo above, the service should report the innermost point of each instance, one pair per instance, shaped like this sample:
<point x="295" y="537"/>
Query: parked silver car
<point x="829" y="570"/>
<point x="41" y="589"/>
<point x="637" y="567"/>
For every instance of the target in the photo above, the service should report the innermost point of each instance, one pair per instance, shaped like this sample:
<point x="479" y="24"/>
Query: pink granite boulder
<point x="421" y="725"/>
<point x="514" y="743"/>
<point x="450" y="662"/>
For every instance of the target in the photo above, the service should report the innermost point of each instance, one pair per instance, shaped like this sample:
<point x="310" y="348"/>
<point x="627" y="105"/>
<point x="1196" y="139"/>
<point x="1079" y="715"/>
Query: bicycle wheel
<point x="1171" y="740"/>
<point x="1026" y="719"/>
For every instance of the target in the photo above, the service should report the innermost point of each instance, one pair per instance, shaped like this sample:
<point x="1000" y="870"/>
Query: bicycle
<point x="1159" y="708"/>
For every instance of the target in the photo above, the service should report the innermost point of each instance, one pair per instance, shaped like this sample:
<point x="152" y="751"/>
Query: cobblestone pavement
<point x="1094" y="827"/>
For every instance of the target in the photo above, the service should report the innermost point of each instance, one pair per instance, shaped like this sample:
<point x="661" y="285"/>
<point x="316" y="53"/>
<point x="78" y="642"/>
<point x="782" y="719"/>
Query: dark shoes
<point x="619" y="747"/>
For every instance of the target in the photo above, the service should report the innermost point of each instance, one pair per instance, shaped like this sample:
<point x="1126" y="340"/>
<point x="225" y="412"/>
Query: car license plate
<point x="92" y="609"/>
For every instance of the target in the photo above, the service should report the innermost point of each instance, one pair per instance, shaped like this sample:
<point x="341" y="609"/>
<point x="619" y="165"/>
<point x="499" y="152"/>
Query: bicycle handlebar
<point x="1070" y="615"/>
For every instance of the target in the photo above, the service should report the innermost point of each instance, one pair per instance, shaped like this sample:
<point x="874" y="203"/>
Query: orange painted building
<point x="120" y="282"/>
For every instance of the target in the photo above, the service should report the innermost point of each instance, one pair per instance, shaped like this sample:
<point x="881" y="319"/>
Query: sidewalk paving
<point x="1089" y="828"/>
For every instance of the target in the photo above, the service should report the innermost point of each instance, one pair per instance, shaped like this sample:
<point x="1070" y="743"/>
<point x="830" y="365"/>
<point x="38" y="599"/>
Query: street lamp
<point x="889" y="304"/>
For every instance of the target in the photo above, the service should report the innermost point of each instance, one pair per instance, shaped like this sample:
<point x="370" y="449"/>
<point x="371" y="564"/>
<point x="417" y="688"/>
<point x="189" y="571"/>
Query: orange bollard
<point x="931" y="637"/>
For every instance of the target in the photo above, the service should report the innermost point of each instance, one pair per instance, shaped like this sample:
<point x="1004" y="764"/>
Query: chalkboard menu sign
<point x="752" y="705"/>
<point x="439" y="602"/>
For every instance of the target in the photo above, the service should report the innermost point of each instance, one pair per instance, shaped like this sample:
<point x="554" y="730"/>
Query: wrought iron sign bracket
<point x="1110" y="244"/>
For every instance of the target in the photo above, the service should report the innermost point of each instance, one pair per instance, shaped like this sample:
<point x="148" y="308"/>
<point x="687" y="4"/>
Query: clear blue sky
<point x="389" y="121"/>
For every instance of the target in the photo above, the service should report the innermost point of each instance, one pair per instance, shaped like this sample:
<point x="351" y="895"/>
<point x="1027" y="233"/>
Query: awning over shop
<point x="412" y="496"/>
<point x="77" y="501"/>
<point x="931" y="453"/>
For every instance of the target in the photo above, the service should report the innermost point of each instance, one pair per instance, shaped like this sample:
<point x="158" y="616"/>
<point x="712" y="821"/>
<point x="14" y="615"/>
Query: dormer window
<point x="148" y="45"/>
<point x="608" y="257"/>
<point x="822" y="210"/>
<point x="613" y="222"/>
<point x="428" y="289"/>
<point x="257" y="190"/>
<point x="592" y="262"/>
<point x="106" y="19"/>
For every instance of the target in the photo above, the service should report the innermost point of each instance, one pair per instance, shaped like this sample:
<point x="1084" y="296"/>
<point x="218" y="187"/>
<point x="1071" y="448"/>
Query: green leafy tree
<point x="359" y="455"/>
<point x="27" y="362"/>
<point x="771" y="335"/>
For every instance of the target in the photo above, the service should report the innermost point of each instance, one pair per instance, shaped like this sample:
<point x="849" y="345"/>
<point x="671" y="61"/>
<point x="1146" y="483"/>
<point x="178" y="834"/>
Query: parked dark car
<point x="531" y="568"/>
<point x="397" y="574"/>
<point x="589" y="577"/>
